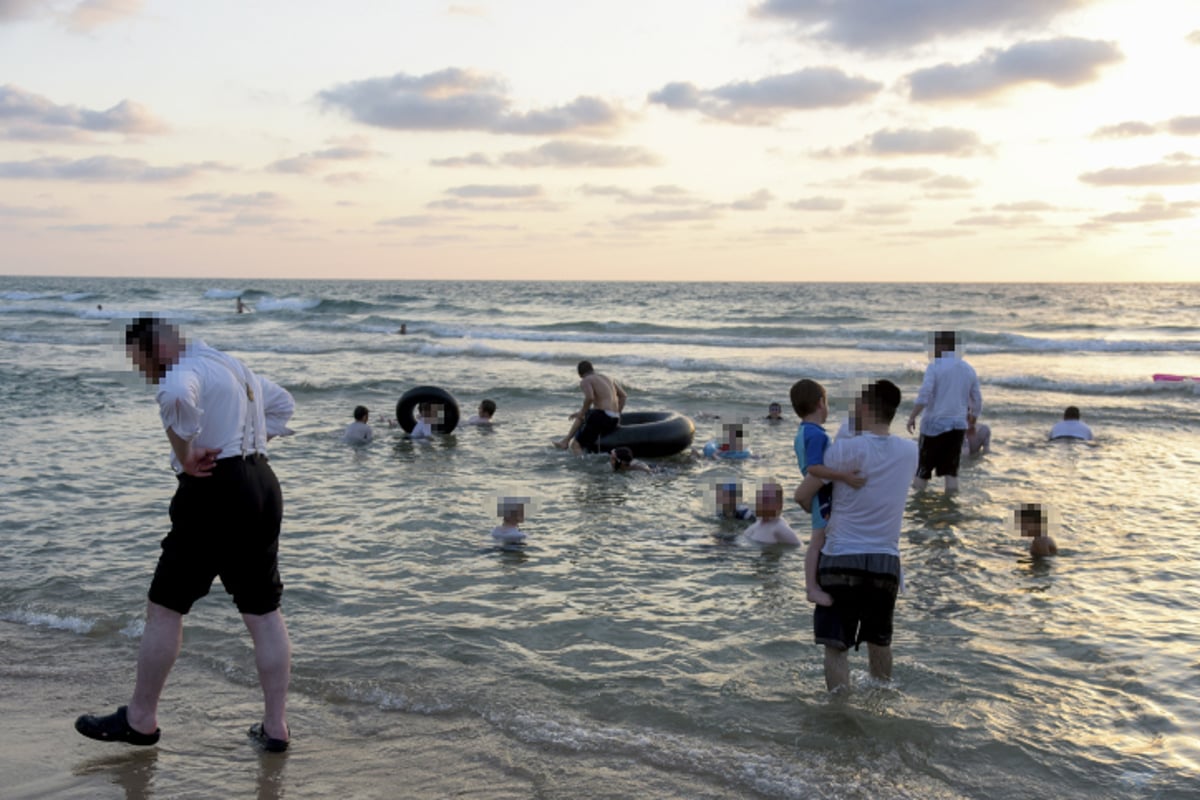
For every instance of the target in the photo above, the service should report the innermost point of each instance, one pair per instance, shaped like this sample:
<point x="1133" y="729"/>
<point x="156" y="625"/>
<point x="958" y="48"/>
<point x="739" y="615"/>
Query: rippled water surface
<point x="631" y="647"/>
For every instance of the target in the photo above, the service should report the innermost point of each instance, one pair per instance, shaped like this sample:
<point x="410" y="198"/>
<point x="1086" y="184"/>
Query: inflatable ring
<point x="427" y="394"/>
<point x="650" y="434"/>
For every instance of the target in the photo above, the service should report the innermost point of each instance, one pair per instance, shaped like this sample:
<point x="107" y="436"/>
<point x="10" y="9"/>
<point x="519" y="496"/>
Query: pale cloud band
<point x="763" y="101"/>
<point x="28" y="116"/>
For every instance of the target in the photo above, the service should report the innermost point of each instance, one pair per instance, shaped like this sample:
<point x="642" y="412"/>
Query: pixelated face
<point x="768" y="500"/>
<point x="512" y="509"/>
<point x="1030" y="520"/>
<point x="727" y="496"/>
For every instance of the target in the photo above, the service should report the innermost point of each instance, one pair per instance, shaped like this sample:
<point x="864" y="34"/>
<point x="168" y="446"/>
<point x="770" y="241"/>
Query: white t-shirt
<point x="868" y="520"/>
<point x="771" y="531"/>
<point x="422" y="430"/>
<point x="508" y="534"/>
<point x="949" y="392"/>
<point x="1070" y="429"/>
<point x="357" y="433"/>
<point x="213" y="400"/>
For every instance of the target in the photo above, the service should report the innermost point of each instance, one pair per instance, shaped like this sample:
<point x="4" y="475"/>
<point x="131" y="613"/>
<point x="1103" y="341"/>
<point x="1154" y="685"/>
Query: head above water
<point x="768" y="500"/>
<point x="620" y="458"/>
<point x="487" y="408"/>
<point x="1072" y="412"/>
<point x="511" y="509"/>
<point x="1030" y="519"/>
<point x="585" y="368"/>
<point x="360" y="413"/>
<point x="154" y="345"/>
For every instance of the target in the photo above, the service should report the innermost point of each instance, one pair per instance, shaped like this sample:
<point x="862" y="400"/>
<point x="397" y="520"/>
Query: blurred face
<point x="769" y="500"/>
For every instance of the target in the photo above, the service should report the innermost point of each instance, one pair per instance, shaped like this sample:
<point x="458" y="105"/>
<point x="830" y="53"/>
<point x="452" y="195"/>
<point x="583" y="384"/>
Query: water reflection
<point x="132" y="770"/>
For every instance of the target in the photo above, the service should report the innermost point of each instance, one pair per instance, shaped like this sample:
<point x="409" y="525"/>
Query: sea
<point x="635" y="647"/>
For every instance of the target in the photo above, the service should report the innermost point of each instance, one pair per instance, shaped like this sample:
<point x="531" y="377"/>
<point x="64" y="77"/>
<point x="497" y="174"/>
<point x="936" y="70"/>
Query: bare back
<point x="602" y="393"/>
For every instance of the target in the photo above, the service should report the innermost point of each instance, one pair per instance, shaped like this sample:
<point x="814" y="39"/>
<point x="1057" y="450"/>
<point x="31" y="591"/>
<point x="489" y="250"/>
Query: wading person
<point x="225" y="520"/>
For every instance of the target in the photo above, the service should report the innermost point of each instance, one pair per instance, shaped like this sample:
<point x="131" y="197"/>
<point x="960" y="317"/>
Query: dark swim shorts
<point x="227" y="526"/>
<point x="597" y="423"/>
<point x="941" y="453"/>
<point x="863" y="587"/>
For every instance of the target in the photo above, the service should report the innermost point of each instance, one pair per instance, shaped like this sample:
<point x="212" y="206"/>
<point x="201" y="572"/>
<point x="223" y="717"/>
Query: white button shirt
<point x="214" y="401"/>
<point x="949" y="392"/>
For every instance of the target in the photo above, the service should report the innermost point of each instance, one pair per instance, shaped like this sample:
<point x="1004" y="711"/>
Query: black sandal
<point x="258" y="732"/>
<point x="114" y="728"/>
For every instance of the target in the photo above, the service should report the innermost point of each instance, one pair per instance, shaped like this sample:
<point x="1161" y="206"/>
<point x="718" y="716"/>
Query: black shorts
<point x="941" y="453"/>
<point x="864" y="590"/>
<point x="597" y="423"/>
<point x="227" y="526"/>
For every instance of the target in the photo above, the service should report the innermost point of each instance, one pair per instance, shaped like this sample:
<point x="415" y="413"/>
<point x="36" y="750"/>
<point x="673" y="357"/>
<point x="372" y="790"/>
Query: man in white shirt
<point x="860" y="561"/>
<point x="949" y="394"/>
<point x="1071" y="427"/>
<point x="225" y="521"/>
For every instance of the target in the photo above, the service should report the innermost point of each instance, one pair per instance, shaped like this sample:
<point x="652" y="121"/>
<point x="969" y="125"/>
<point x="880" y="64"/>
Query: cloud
<point x="915" y="142"/>
<point x="472" y="160"/>
<point x="13" y="10"/>
<point x="217" y="203"/>
<point x="1059" y="62"/>
<point x="100" y="169"/>
<point x="353" y="149"/>
<point x="1177" y="170"/>
<point x="28" y="116"/>
<point x="460" y="10"/>
<point x="92" y="14"/>
<point x="670" y="216"/>
<point x="1125" y="130"/>
<point x="29" y="212"/>
<point x="896" y="24"/>
<point x="818" y="204"/>
<point x="765" y="100"/>
<point x="1152" y="209"/>
<point x="759" y="201"/>
<point x="664" y="195"/>
<point x="411" y="221"/>
<point x="495" y="192"/>
<point x="900" y="175"/>
<point x="999" y="220"/>
<point x="1184" y="126"/>
<point x="952" y="183"/>
<point x="1194" y="37"/>
<point x="462" y="100"/>
<point x="1024" y="205"/>
<point x="581" y="154"/>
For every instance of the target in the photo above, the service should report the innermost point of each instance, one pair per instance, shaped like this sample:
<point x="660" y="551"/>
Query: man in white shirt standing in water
<point x="859" y="565"/>
<point x="603" y="401"/>
<point x="225" y="521"/>
<point x="949" y="395"/>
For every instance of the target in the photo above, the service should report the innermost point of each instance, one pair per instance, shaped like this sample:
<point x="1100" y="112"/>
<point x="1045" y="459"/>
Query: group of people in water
<point x="853" y="487"/>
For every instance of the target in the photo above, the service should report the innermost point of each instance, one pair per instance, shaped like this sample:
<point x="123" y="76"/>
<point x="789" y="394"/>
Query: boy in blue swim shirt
<point x="810" y="404"/>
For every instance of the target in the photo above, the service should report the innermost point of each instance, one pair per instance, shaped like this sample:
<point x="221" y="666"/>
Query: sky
<point x="770" y="140"/>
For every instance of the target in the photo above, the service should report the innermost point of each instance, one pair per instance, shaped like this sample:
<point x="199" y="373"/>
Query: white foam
<point x="39" y="619"/>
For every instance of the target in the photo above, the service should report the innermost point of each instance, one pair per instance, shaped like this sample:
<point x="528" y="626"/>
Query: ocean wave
<point x="1038" y="383"/>
<point x="223" y="294"/>
<point x="269" y="304"/>
<point x="41" y="619"/>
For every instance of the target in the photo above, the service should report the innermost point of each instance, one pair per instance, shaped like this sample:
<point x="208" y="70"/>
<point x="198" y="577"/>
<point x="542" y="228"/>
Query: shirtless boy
<point x="603" y="401"/>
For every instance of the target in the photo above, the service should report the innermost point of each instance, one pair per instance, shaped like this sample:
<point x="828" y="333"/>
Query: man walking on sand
<point x="603" y="401"/>
<point x="225" y="521"/>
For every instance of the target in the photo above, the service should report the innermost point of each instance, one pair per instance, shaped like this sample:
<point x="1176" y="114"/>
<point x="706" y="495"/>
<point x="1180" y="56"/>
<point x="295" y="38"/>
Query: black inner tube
<point x="444" y="423"/>
<point x="651" y="434"/>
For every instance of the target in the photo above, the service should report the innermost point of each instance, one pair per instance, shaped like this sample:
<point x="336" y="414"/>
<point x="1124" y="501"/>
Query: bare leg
<point x="565" y="442"/>
<point x="837" y="668"/>
<point x="273" y="657"/>
<point x="879" y="659"/>
<point x="156" y="655"/>
<point x="812" y="556"/>
<point x="919" y="484"/>
<point x="951" y="484"/>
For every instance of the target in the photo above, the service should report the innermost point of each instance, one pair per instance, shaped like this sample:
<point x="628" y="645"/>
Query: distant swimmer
<point x="487" y="410"/>
<point x="1031" y="522"/>
<point x="403" y="329"/>
<point x="728" y="495"/>
<point x="949" y="394"/>
<point x="241" y="307"/>
<point x="358" y="432"/>
<point x="511" y="511"/>
<point x="731" y="446"/>
<point x="978" y="438"/>
<point x="1071" y="427"/>
<point x="774" y="413"/>
<point x="770" y="528"/>
<point x="603" y="402"/>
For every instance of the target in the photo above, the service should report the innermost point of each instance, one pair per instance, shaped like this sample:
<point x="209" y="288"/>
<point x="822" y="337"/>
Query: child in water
<point x="731" y="446"/>
<point x="487" y="409"/>
<point x="512" y="513"/>
<point x="358" y="432"/>
<point x="1031" y="521"/>
<point x="728" y="507"/>
<point x="770" y="527"/>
